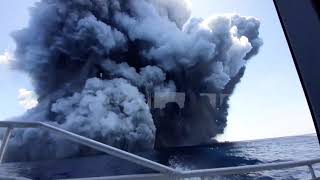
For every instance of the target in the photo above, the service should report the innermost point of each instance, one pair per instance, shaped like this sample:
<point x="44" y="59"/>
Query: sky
<point x="269" y="101"/>
<point x="15" y="86"/>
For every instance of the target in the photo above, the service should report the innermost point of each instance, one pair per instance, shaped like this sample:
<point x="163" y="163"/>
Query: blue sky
<point x="269" y="102"/>
<point x="14" y="15"/>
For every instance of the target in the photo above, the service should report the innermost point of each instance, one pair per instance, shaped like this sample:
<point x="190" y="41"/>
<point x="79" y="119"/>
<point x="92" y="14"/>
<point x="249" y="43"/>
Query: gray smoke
<point x="95" y="63"/>
<point x="112" y="111"/>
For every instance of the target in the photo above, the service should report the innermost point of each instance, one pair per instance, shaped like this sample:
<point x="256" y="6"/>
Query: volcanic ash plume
<point x="95" y="64"/>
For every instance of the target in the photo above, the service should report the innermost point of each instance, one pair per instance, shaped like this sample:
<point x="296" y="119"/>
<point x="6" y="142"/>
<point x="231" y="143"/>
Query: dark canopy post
<point x="300" y="20"/>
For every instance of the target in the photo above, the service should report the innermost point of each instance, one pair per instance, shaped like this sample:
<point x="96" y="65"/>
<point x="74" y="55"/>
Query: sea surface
<point x="187" y="158"/>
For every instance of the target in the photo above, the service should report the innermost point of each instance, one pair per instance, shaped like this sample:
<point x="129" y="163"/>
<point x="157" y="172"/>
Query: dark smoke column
<point x="95" y="63"/>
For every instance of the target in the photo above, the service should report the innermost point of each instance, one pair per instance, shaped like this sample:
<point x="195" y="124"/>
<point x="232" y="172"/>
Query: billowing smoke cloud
<point x="95" y="65"/>
<point x="111" y="111"/>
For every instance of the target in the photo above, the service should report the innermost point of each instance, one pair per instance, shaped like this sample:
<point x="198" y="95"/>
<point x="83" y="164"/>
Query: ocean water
<point x="222" y="155"/>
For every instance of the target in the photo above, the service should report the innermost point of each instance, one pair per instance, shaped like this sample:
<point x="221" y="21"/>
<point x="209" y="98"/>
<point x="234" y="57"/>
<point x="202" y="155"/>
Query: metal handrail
<point x="165" y="171"/>
<point x="84" y="141"/>
<point x="253" y="168"/>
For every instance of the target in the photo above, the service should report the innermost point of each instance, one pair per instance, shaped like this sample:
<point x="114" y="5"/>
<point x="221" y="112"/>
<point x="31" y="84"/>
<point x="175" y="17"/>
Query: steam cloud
<point x="27" y="99"/>
<point x="6" y="57"/>
<point x="95" y="63"/>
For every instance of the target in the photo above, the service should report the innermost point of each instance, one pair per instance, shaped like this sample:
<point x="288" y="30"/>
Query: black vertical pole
<point x="300" y="21"/>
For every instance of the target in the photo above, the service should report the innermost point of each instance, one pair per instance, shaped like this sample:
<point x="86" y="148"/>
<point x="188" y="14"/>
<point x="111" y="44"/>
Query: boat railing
<point x="164" y="172"/>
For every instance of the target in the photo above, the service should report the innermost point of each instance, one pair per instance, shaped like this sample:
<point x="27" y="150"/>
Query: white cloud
<point x="6" y="57"/>
<point x="27" y="99"/>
